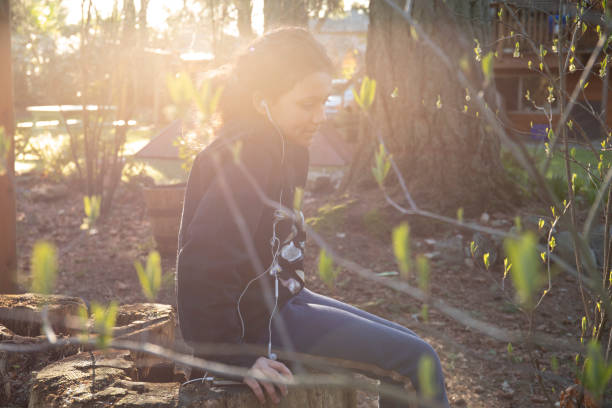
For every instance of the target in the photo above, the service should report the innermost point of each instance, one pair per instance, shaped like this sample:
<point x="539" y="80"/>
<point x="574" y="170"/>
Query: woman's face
<point x="300" y="111"/>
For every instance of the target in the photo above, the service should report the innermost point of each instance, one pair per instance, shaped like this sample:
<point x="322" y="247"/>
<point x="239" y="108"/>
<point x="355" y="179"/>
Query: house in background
<point x="517" y="68"/>
<point x="329" y="154"/>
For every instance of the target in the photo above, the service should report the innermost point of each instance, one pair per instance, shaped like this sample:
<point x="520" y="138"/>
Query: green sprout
<point x="402" y="249"/>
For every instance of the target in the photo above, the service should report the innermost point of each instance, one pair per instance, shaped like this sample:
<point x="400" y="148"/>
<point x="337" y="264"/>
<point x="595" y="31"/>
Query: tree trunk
<point x="285" y="13"/>
<point x="245" y="9"/>
<point x="8" y="246"/>
<point x="447" y="157"/>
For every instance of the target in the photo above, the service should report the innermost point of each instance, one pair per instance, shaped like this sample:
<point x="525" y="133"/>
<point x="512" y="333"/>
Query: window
<point x="514" y="88"/>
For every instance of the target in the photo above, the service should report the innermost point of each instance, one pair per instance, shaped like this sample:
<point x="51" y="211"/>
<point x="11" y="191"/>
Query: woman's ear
<point x="258" y="103"/>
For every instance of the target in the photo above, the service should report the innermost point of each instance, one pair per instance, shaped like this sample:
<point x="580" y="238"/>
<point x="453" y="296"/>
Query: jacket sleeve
<point x="212" y="253"/>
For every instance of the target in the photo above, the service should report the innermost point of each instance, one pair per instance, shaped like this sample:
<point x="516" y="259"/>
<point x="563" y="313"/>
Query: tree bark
<point x="8" y="233"/>
<point x="447" y="156"/>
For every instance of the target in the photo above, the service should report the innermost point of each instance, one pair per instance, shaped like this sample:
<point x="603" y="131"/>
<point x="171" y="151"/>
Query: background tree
<point x="426" y="119"/>
<point x="245" y="9"/>
<point x="8" y="249"/>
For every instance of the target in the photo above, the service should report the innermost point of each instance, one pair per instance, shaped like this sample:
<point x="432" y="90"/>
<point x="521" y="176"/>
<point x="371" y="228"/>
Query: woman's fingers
<point x="276" y="376"/>
<point x="254" y="385"/>
<point x="278" y="366"/>
<point x="268" y="386"/>
<point x="274" y="371"/>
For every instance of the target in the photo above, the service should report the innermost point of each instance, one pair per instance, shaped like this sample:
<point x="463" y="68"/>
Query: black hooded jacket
<point x="213" y="264"/>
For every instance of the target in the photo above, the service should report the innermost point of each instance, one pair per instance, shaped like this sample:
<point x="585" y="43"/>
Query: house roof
<point x="327" y="149"/>
<point x="162" y="145"/>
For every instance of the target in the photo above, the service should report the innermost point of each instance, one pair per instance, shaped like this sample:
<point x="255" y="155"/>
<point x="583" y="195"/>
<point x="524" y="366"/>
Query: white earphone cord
<point x="275" y="244"/>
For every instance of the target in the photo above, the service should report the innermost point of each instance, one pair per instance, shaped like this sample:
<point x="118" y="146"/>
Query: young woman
<point x="240" y="275"/>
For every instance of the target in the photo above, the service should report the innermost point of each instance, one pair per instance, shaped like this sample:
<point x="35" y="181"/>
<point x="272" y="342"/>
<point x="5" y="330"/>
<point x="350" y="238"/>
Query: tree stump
<point x="202" y="396"/>
<point x="20" y="323"/>
<point x="108" y="379"/>
<point x="21" y="314"/>
<point x="146" y="322"/>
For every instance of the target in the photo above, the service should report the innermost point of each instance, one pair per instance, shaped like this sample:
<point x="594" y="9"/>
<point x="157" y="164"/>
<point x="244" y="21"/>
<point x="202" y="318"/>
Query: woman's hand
<point x="274" y="370"/>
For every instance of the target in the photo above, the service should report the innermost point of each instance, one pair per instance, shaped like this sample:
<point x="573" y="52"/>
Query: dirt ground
<point x="479" y="370"/>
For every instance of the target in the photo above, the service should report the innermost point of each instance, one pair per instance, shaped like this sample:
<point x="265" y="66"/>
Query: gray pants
<point x="322" y="326"/>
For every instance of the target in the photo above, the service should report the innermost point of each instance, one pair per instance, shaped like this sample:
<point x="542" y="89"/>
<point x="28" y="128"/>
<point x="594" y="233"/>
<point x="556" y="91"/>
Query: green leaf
<point x="473" y="248"/>
<point x="371" y="93"/>
<point x="460" y="214"/>
<point x="426" y="374"/>
<point x="43" y="266"/>
<point x="91" y="206"/>
<point x="603" y="67"/>
<point x="151" y="277"/>
<point x="487" y="67"/>
<point x="507" y="266"/>
<point x="517" y="50"/>
<point x="423" y="268"/>
<point x="425" y="312"/>
<point x="540" y="223"/>
<point x="87" y="206"/>
<point x="510" y="349"/>
<point x="552" y="243"/>
<point x="526" y="268"/>
<point x="327" y="272"/>
<point x="413" y="33"/>
<point x="382" y="165"/>
<point x="554" y="364"/>
<point x="104" y="321"/>
<point x="485" y="260"/>
<point x="298" y="198"/>
<point x="357" y="98"/>
<point x="597" y="372"/>
<point x="395" y="93"/>
<point x="367" y="92"/>
<point x="402" y="248"/>
<point x="518" y="223"/>
<point x="477" y="50"/>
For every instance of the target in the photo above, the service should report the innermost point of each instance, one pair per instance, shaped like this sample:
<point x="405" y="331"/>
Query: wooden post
<point x="8" y="244"/>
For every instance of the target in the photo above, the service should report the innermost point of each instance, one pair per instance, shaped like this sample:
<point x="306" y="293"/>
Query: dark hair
<point x="271" y="64"/>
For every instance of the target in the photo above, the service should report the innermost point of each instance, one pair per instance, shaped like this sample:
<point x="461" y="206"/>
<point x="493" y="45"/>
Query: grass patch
<point x="586" y="181"/>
